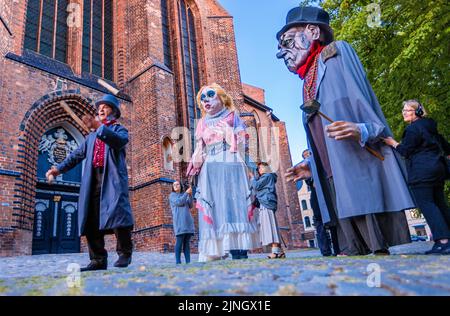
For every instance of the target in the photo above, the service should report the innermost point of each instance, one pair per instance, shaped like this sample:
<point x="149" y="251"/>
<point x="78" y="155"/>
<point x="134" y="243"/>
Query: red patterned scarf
<point x="99" y="148"/>
<point x="314" y="51"/>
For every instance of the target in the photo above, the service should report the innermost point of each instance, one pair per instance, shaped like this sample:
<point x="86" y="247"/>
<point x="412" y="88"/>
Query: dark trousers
<point x="96" y="237"/>
<point x="433" y="205"/>
<point x="238" y="254"/>
<point x="327" y="241"/>
<point x="358" y="235"/>
<point x="334" y="240"/>
<point x="182" y="244"/>
<point x="324" y="239"/>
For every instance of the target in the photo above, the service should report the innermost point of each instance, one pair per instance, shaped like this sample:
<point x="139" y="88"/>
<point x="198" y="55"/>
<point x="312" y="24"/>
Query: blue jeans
<point x="182" y="243"/>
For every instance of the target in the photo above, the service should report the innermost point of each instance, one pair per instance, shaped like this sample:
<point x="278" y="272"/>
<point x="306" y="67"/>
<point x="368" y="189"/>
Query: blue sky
<point x="255" y="23"/>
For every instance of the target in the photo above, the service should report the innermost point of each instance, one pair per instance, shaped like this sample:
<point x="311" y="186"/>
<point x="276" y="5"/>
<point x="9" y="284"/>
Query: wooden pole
<point x="72" y="114"/>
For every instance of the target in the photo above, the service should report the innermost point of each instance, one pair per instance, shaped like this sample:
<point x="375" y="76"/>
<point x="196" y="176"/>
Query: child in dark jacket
<point x="183" y="223"/>
<point x="266" y="196"/>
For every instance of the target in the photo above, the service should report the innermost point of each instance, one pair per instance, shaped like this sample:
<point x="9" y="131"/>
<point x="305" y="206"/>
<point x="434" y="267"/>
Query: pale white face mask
<point x="294" y="46"/>
<point x="211" y="101"/>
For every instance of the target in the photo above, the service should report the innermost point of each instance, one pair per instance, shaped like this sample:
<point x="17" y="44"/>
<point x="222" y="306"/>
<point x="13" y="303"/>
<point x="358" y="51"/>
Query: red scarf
<point x="99" y="149"/>
<point x="315" y="49"/>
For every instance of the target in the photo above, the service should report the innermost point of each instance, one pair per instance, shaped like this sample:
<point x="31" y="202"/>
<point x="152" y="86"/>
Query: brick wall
<point x="274" y="149"/>
<point x="28" y="107"/>
<point x="254" y="92"/>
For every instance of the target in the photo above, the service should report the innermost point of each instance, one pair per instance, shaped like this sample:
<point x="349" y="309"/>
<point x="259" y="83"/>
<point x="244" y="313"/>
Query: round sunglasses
<point x="210" y="94"/>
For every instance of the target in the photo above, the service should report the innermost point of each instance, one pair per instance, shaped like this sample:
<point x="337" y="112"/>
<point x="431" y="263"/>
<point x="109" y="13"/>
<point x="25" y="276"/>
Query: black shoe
<point x="235" y="254"/>
<point x="122" y="262"/>
<point x="95" y="265"/>
<point x="439" y="249"/>
<point x="243" y="254"/>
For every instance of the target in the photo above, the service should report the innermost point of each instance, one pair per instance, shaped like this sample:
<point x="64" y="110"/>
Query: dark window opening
<point x="46" y="28"/>
<point x="166" y="34"/>
<point x="97" y="48"/>
<point x="190" y="62"/>
<point x="304" y="205"/>
<point x="307" y="222"/>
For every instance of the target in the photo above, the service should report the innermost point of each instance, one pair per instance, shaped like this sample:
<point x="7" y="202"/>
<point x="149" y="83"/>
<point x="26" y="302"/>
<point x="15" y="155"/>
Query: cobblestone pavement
<point x="303" y="272"/>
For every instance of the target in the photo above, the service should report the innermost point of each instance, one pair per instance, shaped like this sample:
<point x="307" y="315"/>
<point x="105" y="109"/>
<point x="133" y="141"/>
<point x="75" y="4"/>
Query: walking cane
<point x="72" y="114"/>
<point x="313" y="106"/>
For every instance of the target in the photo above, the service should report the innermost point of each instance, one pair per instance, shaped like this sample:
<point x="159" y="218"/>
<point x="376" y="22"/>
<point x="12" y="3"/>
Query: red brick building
<point x="157" y="53"/>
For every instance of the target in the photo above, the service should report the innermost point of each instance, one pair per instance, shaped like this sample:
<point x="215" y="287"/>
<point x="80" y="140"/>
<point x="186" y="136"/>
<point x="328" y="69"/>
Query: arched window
<point x="307" y="222"/>
<point x="97" y="38"/>
<point x="304" y="205"/>
<point x="167" y="154"/>
<point x="46" y="28"/>
<point x="190" y="61"/>
<point x="166" y="34"/>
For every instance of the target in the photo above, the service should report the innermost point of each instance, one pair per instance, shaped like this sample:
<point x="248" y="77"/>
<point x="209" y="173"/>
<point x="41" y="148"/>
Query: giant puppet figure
<point x="359" y="182"/>
<point x="223" y="195"/>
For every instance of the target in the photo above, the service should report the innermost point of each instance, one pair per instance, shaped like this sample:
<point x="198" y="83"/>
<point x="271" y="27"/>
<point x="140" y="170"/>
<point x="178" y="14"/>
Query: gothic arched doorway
<point x="56" y="207"/>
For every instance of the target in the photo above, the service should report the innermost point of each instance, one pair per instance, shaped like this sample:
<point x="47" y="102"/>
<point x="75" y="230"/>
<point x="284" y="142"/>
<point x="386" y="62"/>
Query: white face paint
<point x="294" y="47"/>
<point x="211" y="101"/>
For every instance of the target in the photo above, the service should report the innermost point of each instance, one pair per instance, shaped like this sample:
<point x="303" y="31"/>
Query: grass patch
<point x="3" y="289"/>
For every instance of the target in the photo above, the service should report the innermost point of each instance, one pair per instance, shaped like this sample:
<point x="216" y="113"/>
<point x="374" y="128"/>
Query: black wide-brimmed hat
<point x="112" y="101"/>
<point x="308" y="15"/>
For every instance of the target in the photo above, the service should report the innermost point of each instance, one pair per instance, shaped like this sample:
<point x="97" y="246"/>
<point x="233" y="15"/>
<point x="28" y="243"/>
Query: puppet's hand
<point x="298" y="172"/>
<point x="192" y="170"/>
<point x="343" y="130"/>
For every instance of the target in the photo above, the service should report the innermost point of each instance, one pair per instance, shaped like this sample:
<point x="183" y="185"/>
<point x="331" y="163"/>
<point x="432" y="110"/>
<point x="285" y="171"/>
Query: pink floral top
<point x="224" y="126"/>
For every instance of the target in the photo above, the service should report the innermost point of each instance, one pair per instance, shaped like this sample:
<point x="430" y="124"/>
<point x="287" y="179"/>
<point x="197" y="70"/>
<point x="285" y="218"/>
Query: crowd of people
<point x="353" y="166"/>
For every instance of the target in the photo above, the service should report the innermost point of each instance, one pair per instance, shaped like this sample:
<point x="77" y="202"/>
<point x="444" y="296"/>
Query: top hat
<point x="308" y="15"/>
<point x="112" y="101"/>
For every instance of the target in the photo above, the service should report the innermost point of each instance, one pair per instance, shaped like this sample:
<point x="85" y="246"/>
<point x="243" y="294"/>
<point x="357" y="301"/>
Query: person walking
<point x="424" y="149"/>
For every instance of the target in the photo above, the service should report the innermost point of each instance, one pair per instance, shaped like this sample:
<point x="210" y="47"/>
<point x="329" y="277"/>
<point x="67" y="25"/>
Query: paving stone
<point x="303" y="272"/>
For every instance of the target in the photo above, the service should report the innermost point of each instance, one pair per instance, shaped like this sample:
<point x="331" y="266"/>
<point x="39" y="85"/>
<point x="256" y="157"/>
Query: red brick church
<point x="157" y="53"/>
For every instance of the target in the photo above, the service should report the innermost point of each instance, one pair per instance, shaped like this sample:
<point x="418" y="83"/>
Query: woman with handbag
<point x="424" y="149"/>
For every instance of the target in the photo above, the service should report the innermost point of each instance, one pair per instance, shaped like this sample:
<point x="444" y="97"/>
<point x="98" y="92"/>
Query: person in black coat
<point x="324" y="239"/>
<point x="424" y="148"/>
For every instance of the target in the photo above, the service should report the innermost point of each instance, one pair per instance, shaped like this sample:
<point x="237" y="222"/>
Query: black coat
<point x="421" y="147"/>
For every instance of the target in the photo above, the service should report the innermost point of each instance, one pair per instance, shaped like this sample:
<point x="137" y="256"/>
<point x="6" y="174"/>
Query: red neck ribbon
<point x="108" y="123"/>
<point x="315" y="49"/>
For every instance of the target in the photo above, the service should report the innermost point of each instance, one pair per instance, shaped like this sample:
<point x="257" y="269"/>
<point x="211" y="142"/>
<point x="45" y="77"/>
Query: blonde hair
<point x="227" y="100"/>
<point x="415" y="104"/>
